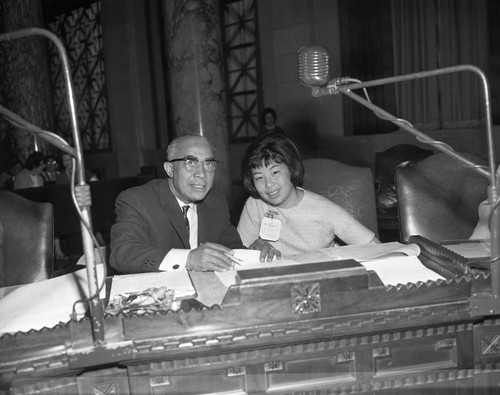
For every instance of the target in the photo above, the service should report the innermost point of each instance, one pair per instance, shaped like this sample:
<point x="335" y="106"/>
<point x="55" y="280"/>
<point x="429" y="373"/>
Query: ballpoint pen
<point x="238" y="261"/>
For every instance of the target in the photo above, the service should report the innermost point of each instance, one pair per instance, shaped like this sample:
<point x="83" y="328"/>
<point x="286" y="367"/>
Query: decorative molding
<point x="490" y="344"/>
<point x="306" y="298"/>
<point x="343" y="348"/>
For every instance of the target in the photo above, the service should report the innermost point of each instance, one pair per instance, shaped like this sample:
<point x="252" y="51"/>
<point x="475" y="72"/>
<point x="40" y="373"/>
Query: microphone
<point x="313" y="70"/>
<point x="312" y="62"/>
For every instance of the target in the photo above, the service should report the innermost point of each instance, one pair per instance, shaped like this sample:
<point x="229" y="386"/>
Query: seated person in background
<point x="281" y="215"/>
<point x="51" y="170"/>
<point x="178" y="222"/>
<point x="64" y="177"/>
<point x="30" y="176"/>
<point x="269" y="121"/>
<point x="7" y="177"/>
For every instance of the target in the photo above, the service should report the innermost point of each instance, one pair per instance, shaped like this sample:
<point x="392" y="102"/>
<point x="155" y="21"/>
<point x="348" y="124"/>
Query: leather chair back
<point x="351" y="187"/>
<point x="438" y="197"/>
<point x="27" y="242"/>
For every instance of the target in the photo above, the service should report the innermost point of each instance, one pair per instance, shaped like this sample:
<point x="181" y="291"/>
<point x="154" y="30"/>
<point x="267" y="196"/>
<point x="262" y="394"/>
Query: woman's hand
<point x="267" y="251"/>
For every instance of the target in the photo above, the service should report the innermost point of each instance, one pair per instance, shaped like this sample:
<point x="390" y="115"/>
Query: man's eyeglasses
<point x="191" y="163"/>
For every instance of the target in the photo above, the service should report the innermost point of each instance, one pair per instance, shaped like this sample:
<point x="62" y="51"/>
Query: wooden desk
<point x="331" y="328"/>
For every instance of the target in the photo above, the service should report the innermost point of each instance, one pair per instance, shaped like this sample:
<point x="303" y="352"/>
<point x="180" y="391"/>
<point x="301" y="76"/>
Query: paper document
<point x="177" y="280"/>
<point x="46" y="303"/>
<point x="364" y="252"/>
<point x="401" y="270"/>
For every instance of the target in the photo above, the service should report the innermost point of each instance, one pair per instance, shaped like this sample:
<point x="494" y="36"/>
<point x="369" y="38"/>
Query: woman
<point x="31" y="175"/>
<point x="289" y="219"/>
<point x="268" y="118"/>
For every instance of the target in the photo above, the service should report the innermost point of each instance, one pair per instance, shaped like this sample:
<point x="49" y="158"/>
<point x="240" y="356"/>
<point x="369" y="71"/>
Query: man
<point x="151" y="232"/>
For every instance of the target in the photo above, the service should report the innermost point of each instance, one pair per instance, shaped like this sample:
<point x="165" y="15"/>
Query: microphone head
<point x="312" y="62"/>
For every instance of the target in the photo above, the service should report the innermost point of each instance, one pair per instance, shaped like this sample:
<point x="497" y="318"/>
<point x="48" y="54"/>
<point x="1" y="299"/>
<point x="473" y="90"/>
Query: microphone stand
<point x="484" y="304"/>
<point x="82" y="188"/>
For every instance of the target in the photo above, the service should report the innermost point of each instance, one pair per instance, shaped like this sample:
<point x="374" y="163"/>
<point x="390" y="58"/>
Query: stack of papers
<point x="46" y="303"/>
<point x="366" y="252"/>
<point x="394" y="262"/>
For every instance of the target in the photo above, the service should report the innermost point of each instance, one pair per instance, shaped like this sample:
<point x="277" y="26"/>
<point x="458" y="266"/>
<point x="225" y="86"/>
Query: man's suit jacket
<point x="149" y="223"/>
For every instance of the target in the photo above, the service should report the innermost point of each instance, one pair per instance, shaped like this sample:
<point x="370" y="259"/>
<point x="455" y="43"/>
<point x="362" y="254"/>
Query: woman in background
<point x="31" y="175"/>
<point x="279" y="217"/>
<point x="268" y="118"/>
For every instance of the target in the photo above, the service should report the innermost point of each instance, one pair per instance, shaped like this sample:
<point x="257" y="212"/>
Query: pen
<point x="238" y="261"/>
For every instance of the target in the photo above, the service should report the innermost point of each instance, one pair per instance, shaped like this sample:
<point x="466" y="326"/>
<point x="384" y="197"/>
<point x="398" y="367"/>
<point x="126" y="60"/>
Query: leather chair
<point x="351" y="187"/>
<point x="27" y="240"/>
<point x="386" y="162"/>
<point x="438" y="197"/>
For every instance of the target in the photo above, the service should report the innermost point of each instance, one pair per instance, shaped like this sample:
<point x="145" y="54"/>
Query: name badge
<point x="270" y="227"/>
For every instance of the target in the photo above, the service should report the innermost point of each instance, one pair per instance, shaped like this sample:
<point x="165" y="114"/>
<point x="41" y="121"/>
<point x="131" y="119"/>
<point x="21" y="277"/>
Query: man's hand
<point x="210" y="256"/>
<point x="267" y="251"/>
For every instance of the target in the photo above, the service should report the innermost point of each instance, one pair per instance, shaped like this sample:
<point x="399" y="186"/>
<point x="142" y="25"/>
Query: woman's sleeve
<point x="248" y="226"/>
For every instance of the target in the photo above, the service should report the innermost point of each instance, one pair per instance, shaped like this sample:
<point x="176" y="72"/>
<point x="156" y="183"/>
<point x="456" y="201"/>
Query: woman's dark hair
<point x="34" y="159"/>
<point x="267" y="149"/>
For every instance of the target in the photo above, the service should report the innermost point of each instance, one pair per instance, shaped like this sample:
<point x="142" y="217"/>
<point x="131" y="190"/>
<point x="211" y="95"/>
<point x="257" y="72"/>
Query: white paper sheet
<point x="45" y="303"/>
<point x="364" y="252"/>
<point x="401" y="270"/>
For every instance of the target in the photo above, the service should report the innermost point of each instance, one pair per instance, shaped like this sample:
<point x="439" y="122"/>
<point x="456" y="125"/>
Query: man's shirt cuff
<point x="175" y="259"/>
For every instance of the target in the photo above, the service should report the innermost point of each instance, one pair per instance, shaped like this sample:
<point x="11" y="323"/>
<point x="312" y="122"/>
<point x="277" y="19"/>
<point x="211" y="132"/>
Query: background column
<point x="26" y="82"/>
<point x="195" y="82"/>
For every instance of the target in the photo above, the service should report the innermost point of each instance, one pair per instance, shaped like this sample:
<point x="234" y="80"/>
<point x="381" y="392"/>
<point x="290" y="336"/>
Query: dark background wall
<point x="138" y="107"/>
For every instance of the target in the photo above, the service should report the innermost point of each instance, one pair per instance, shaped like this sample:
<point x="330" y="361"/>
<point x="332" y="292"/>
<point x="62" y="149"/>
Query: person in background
<point x="51" y="169"/>
<point x="175" y="223"/>
<point x="7" y="177"/>
<point x="31" y="175"/>
<point x="268" y="118"/>
<point x="64" y="177"/>
<point x="279" y="217"/>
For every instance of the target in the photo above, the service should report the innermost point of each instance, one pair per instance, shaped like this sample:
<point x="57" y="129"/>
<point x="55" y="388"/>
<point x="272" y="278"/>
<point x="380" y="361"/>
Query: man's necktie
<point x="185" y="212"/>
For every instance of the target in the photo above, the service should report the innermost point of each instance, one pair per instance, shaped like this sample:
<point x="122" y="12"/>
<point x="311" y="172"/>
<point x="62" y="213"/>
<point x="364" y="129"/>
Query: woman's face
<point x="274" y="186"/>
<point x="39" y="168"/>
<point x="269" y="119"/>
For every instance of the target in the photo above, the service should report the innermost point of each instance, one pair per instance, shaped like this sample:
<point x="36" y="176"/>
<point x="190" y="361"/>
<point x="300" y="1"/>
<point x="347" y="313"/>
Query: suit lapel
<point x="173" y="212"/>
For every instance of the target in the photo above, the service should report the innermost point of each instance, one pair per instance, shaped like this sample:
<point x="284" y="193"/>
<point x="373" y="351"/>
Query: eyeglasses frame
<point x="199" y="162"/>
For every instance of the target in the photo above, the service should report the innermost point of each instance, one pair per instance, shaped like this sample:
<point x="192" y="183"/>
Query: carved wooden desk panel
<point x="321" y="331"/>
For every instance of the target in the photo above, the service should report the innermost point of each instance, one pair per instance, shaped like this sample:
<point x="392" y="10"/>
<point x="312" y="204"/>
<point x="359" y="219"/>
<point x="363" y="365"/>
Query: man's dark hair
<point x="267" y="149"/>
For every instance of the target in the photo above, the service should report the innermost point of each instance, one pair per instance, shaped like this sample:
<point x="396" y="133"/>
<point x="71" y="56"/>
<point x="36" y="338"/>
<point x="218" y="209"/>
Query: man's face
<point x="190" y="186"/>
